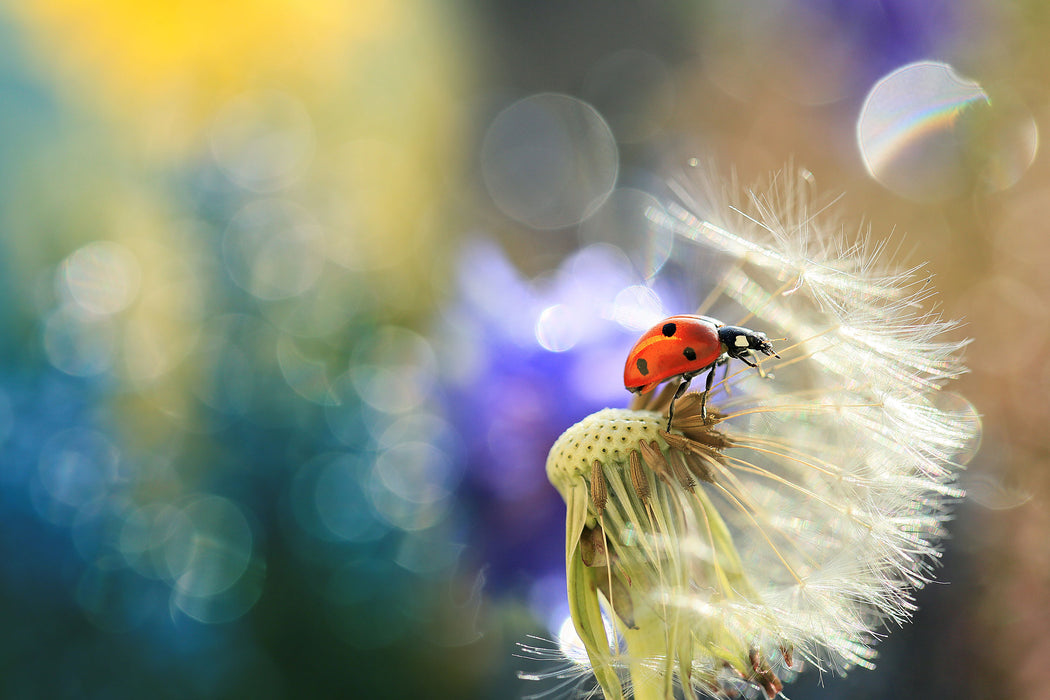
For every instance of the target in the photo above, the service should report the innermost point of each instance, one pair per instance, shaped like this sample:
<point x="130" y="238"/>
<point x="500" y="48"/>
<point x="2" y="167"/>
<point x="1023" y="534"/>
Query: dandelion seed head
<point x="792" y="524"/>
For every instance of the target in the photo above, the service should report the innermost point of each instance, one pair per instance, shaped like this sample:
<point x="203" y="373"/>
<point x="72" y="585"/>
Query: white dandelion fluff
<point x="793" y="523"/>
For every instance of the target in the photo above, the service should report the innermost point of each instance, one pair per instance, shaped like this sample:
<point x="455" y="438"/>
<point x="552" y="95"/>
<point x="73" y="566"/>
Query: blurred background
<point x="294" y="297"/>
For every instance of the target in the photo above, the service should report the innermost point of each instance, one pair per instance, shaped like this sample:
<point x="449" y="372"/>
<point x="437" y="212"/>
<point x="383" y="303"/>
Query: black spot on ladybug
<point x="690" y="354"/>
<point x="669" y="329"/>
<point x="643" y="366"/>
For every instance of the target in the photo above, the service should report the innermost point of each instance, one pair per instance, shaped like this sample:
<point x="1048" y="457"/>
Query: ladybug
<point x="684" y="346"/>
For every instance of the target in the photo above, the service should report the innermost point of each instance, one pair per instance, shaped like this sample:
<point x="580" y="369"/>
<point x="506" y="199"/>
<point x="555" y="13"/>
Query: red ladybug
<point x="683" y="347"/>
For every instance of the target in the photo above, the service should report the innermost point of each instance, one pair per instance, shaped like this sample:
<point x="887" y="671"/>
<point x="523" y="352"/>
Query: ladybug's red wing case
<point x="677" y="345"/>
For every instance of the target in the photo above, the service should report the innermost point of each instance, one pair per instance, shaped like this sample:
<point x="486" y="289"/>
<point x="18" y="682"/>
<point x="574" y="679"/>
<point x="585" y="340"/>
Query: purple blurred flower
<point x="522" y="359"/>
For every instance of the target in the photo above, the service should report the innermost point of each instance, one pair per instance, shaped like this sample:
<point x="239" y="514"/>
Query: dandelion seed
<point x="791" y="524"/>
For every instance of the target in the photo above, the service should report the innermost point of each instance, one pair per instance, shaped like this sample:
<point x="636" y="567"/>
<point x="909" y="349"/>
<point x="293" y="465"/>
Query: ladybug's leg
<point x="746" y="361"/>
<point x="686" y="378"/>
<point x="707" y="390"/>
<point x="724" y="361"/>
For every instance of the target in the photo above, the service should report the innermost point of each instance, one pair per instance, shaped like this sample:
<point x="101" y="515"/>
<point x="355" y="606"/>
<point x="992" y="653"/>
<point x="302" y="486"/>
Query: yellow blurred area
<point x="372" y="87"/>
<point x="192" y="55"/>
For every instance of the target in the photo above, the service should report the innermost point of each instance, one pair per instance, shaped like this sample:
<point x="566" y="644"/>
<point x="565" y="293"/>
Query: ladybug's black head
<point x="740" y="341"/>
